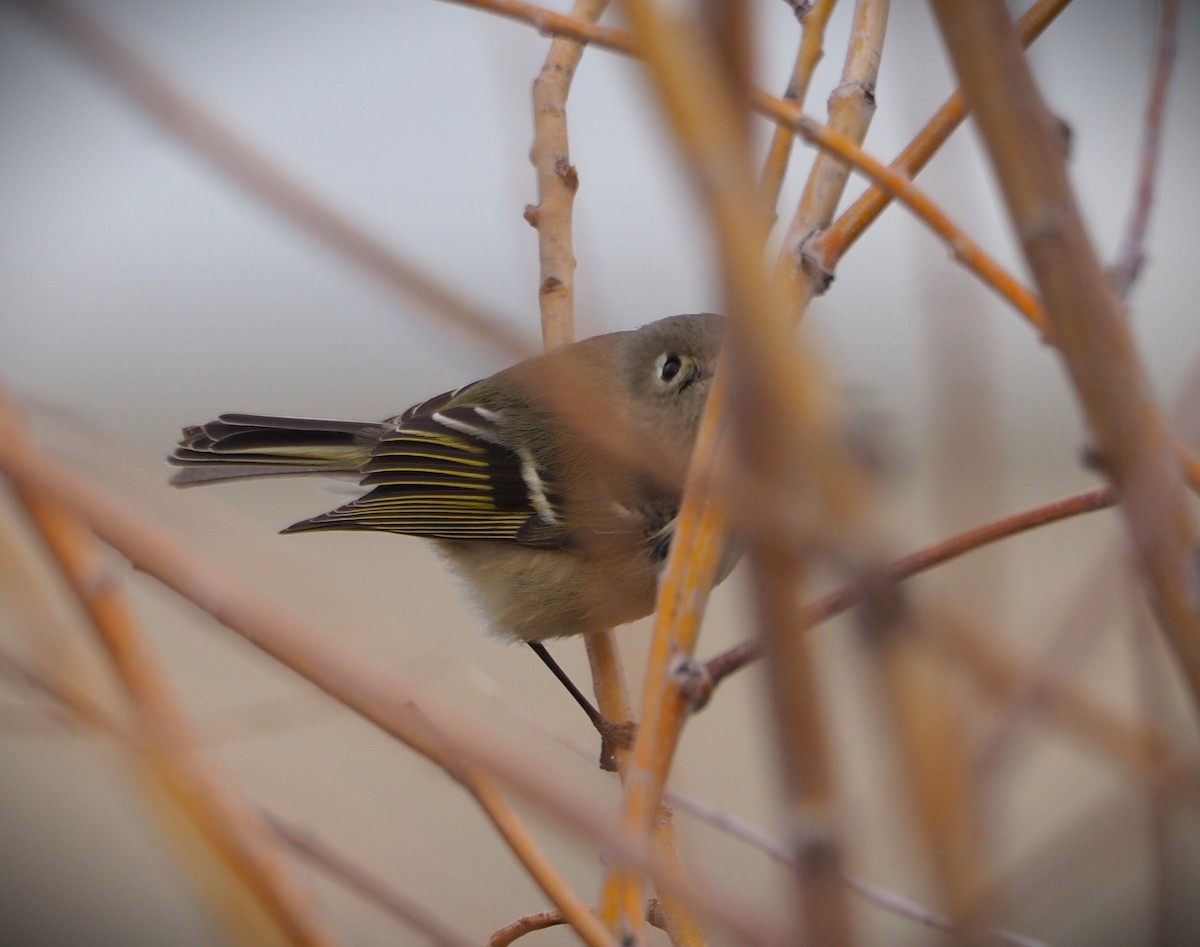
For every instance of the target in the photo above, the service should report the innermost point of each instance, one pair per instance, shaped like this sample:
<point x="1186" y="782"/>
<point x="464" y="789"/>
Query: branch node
<point x="694" y="681"/>
<point x="813" y="265"/>
<point x="800" y="8"/>
<point x="532" y="215"/>
<point x="567" y="174"/>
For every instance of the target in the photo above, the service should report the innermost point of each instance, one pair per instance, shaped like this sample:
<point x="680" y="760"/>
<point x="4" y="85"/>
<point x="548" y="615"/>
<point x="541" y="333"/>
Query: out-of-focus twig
<point x="543" y="920"/>
<point x="1129" y="265"/>
<point x="1003" y="677"/>
<point x="472" y="758"/>
<point x="770" y="379"/>
<point x="259" y="176"/>
<point x="79" y="708"/>
<point x="366" y="885"/>
<point x="553" y="23"/>
<point x="1085" y="318"/>
<point x="929" y="734"/>
<point x="722" y="665"/>
<point x="881" y="897"/>
<point x="552" y="216"/>
<point x="258" y="877"/>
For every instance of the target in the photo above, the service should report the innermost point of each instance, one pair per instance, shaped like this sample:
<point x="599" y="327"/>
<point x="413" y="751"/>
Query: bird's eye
<point x="669" y="367"/>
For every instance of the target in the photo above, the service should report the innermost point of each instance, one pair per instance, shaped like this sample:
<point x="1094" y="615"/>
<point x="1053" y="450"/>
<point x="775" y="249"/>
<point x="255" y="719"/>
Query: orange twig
<point x="690" y="572"/>
<point x="812" y="37"/>
<point x="930" y="737"/>
<point x="372" y="694"/>
<point x="1005" y="679"/>
<point x="226" y="821"/>
<point x="831" y="245"/>
<point x="551" y="22"/>
<point x="1083" y="312"/>
<point x="810" y="253"/>
<point x="851" y="107"/>
<point x="722" y="665"/>
<point x="543" y="920"/>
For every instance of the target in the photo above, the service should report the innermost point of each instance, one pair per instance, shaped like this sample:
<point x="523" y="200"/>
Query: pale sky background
<point x="140" y="291"/>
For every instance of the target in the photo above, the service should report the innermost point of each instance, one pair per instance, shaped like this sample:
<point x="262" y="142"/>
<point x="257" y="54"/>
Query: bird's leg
<point x="593" y="714"/>
<point x="611" y="736"/>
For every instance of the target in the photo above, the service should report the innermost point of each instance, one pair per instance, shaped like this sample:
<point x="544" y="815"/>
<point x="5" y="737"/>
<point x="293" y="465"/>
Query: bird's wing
<point x="447" y="473"/>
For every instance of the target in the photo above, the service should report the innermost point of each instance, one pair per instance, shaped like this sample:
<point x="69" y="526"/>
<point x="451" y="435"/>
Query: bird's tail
<point x="235" y="446"/>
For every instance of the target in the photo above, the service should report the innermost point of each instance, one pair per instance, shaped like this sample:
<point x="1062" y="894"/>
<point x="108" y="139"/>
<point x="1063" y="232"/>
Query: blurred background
<point x="140" y="290"/>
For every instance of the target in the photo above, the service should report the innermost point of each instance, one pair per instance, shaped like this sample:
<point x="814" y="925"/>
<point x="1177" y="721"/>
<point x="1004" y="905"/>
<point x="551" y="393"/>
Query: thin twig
<point x="200" y="792"/>
<point x="818" y="255"/>
<point x="557" y="182"/>
<point x="260" y="176"/>
<point x="376" y="696"/>
<point x="877" y="895"/>
<point x="79" y="708"/>
<point x="366" y="885"/>
<point x="851" y="107"/>
<point x="813" y="21"/>
<point x="552" y="23"/>
<point x="1085" y="318"/>
<point x="928" y="724"/>
<point x="543" y="920"/>
<point x="722" y="665"/>
<point x="767" y="369"/>
<point x="1132" y="256"/>
<point x="831" y="245"/>
<point x="1003" y="678"/>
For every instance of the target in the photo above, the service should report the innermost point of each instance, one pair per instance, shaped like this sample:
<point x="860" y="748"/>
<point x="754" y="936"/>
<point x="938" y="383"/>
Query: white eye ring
<point x="672" y="369"/>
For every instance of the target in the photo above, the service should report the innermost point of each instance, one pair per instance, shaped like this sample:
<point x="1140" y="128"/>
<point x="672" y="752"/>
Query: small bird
<point x="552" y="487"/>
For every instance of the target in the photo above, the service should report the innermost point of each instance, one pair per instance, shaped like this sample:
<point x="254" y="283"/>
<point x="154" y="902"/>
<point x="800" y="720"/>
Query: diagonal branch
<point x="1084" y="315"/>
<point x="282" y="906"/>
<point x="259" y="176"/>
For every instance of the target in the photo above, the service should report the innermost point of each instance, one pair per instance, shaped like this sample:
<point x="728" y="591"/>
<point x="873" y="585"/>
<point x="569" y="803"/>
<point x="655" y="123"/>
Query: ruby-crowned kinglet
<point x="552" y="486"/>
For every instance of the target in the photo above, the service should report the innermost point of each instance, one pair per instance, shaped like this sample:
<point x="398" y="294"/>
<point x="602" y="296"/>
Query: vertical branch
<point x="360" y="687"/>
<point x="779" y="399"/>
<point x="557" y="181"/>
<point x="851" y="107"/>
<point x="691" y="570"/>
<point x="828" y="247"/>
<point x="929" y="727"/>
<point x="268" y="900"/>
<point x="1085" y="317"/>
<point x="1132" y="257"/>
<point x="812" y="38"/>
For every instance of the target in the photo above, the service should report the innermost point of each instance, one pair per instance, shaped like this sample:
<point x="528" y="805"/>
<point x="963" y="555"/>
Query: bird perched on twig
<point x="551" y="486"/>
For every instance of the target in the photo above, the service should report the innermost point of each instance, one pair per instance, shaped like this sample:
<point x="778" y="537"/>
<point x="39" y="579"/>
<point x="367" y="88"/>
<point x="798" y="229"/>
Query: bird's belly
<point x="532" y="594"/>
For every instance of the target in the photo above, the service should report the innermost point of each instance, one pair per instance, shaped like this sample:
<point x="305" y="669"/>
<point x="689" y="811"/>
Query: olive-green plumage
<point x="552" y="486"/>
